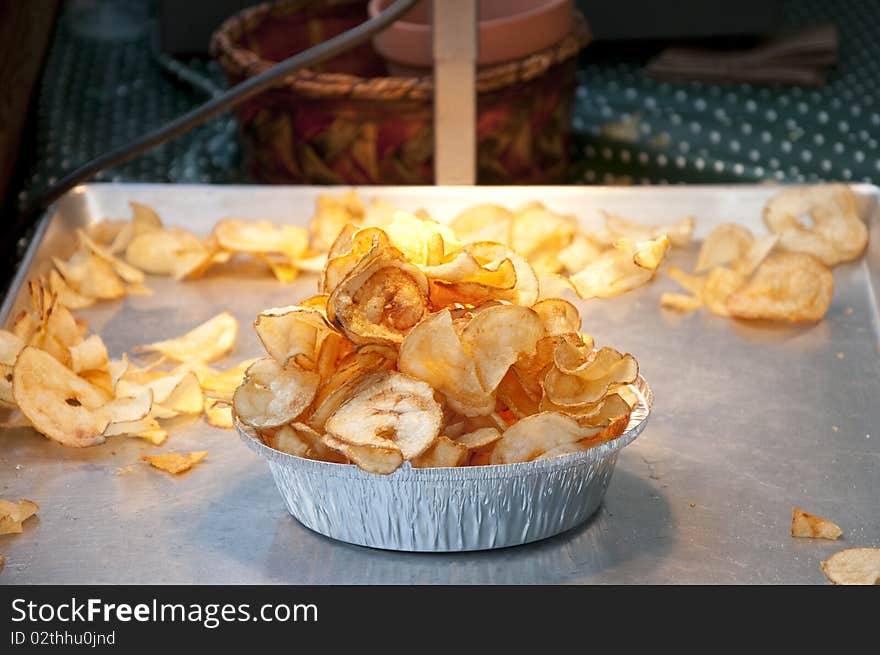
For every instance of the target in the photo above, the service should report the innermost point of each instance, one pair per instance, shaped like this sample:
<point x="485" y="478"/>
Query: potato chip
<point x="12" y="515"/>
<point x="484" y="223"/>
<point x="535" y="229"/>
<point x="218" y="413"/>
<point x="147" y="428"/>
<point x="756" y="254"/>
<point x="558" y="316"/>
<point x="108" y="232"/>
<point x="332" y="214"/>
<point x="204" y="343"/>
<point x="443" y="453"/>
<point x="127" y="410"/>
<point x="90" y="276"/>
<point x="680" y="302"/>
<point x="349" y="248"/>
<point x="10" y="346"/>
<point x="454" y="374"/>
<point x="804" y="524"/>
<point x="125" y="271"/>
<point x="67" y="296"/>
<point x="388" y="410"/>
<point x="853" y="566"/>
<point x="287" y="332"/>
<point x="534" y="435"/>
<point x="224" y="383"/>
<point x="477" y="439"/>
<point x="175" y="463"/>
<point x="720" y="285"/>
<point x="379" y="460"/>
<point x="58" y="403"/>
<point x="497" y="337"/>
<point x="261" y="237"/>
<point x="144" y="218"/>
<point x="272" y="395"/>
<point x="576" y="255"/>
<point x="792" y="287"/>
<point x="526" y="291"/>
<point x="422" y="242"/>
<point x="169" y="251"/>
<point x="726" y="243"/>
<point x="591" y="380"/>
<point x="618" y="228"/>
<point x="563" y="450"/>
<point x="627" y="266"/>
<point x="380" y="299"/>
<point x="599" y="414"/>
<point x="837" y="234"/>
<point x="88" y="355"/>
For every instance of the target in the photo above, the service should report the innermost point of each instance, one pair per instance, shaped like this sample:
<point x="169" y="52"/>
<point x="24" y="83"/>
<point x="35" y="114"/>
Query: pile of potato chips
<point x="425" y="348"/>
<point x="784" y="275"/>
<point x="66" y="386"/>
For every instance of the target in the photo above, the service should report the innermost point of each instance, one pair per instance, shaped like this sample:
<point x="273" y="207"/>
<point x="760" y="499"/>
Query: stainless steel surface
<point x="742" y="428"/>
<point x="449" y="509"/>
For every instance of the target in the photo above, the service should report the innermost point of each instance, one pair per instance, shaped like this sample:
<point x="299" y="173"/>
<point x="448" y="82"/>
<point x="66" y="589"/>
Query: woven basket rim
<point x="239" y="61"/>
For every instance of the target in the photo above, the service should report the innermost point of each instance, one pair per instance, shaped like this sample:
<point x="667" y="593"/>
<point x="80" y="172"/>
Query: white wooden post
<point x="455" y="105"/>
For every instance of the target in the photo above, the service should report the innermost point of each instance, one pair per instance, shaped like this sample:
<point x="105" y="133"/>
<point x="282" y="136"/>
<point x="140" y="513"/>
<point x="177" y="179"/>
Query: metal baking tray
<point x="743" y="426"/>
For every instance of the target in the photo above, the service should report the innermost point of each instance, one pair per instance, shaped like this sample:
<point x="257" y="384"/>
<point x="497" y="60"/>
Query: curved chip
<point x="627" y="266"/>
<point x="792" y="287"/>
<point x="372" y="459"/>
<point x="261" y="237"/>
<point x="443" y="453"/>
<point x="558" y="316"/>
<point x="454" y="374"/>
<point x="837" y="234"/>
<point x="592" y="379"/>
<point x="484" y="223"/>
<point x="57" y="402"/>
<point x="380" y="299"/>
<point x="272" y="395"/>
<point x="388" y="410"/>
<point x="287" y="332"/>
<point x="726" y="243"/>
<point x="853" y="566"/>
<point x="534" y="435"/>
<point x="204" y="343"/>
<point x="160" y="252"/>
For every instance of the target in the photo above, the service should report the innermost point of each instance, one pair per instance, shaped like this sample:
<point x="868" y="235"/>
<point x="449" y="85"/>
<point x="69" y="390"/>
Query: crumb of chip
<point x="834" y="428"/>
<point x="12" y="515"/>
<point x="122" y="470"/>
<point x="840" y="356"/>
<point x="693" y="504"/>
<point x="848" y="311"/>
<point x="804" y="524"/>
<point x="175" y="463"/>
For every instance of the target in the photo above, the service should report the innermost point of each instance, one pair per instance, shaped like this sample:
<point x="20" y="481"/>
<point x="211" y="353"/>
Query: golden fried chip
<point x="443" y="453"/>
<point x="144" y="218"/>
<point x="127" y="409"/>
<point x="627" y="266"/>
<point x="680" y="302"/>
<point x="837" y="234"/>
<point x="380" y="299"/>
<point x="261" y="237"/>
<point x="477" y="439"/>
<point x="218" y="413"/>
<point x="756" y="254"/>
<point x="12" y="515"/>
<point x="379" y="460"/>
<point x="204" y="343"/>
<point x="559" y="316"/>
<point x="332" y="214"/>
<point x="454" y="374"/>
<point x="58" y="403"/>
<point x="388" y="410"/>
<point x="422" y="242"/>
<point x="175" y="463"/>
<point x="618" y="228"/>
<point x="726" y="243"/>
<point x="854" y="566"/>
<point x="804" y="524"/>
<point x="498" y="336"/>
<point x="564" y="449"/>
<point x="88" y="355"/>
<point x="223" y="383"/>
<point x="169" y="251"/>
<point x="272" y="395"/>
<point x="287" y="332"/>
<point x="125" y="271"/>
<point x="90" y="276"/>
<point x="591" y="379"/>
<point x="484" y="223"/>
<point x="792" y="287"/>
<point x="66" y="295"/>
<point x="535" y="229"/>
<point x="576" y="255"/>
<point x="534" y="435"/>
<point x="720" y="285"/>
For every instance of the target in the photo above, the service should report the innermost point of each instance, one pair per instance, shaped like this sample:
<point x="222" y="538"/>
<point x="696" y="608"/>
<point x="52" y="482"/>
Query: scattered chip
<point x="854" y="566"/>
<point x="804" y="524"/>
<point x="627" y="266"/>
<point x="204" y="343"/>
<point x="174" y="462"/>
<point x="13" y="515"/>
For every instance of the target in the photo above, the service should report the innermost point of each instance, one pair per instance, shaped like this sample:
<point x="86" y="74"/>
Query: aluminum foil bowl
<point x="449" y="509"/>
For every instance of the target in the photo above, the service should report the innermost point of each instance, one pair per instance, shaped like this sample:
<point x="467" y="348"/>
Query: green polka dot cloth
<point x="631" y="128"/>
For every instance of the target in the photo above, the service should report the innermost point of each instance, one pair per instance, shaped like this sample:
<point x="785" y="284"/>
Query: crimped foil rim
<point x="637" y="423"/>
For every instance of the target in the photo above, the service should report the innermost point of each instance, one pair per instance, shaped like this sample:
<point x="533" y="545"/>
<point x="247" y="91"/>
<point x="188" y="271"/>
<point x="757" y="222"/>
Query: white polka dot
<point x="859" y="156"/>
<point x="746" y="128"/>
<point x="578" y="123"/>
<point x="680" y="95"/>
<point x="759" y="171"/>
<point x="738" y="169"/>
<point x="662" y="161"/>
<point x="773" y="163"/>
<point x="754" y="155"/>
<point x="700" y="163"/>
<point x="607" y="178"/>
<point x="650" y="103"/>
<point x="643" y="158"/>
<point x="675" y="119"/>
<point x="625" y="156"/>
<point x="645" y="128"/>
<point x="771" y="115"/>
<point x="838" y="148"/>
<point x="807" y="156"/>
<point x="802" y="107"/>
<point x="718" y="166"/>
<point x="779" y="175"/>
<point x="875" y="119"/>
<point x="843" y="126"/>
<point x="826" y="165"/>
<point x="793" y="170"/>
<point x="680" y="162"/>
<point x="714" y="137"/>
<point x="700" y="104"/>
<point x="766" y="137"/>
<point x="731" y="98"/>
<point x="606" y="153"/>
<point x="684" y="146"/>
<point x="785" y="146"/>
<point x="606" y="111"/>
<point x="734" y="145"/>
<point x="630" y="94"/>
<point x="581" y="92"/>
<point x="696" y="127"/>
<point x="822" y="117"/>
<point x="846" y="174"/>
<point x="751" y="106"/>
<point x="818" y="139"/>
<point x="855" y="110"/>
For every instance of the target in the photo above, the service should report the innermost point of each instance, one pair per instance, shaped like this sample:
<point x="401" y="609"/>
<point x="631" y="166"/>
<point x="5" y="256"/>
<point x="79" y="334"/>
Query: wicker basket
<point x="345" y="122"/>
